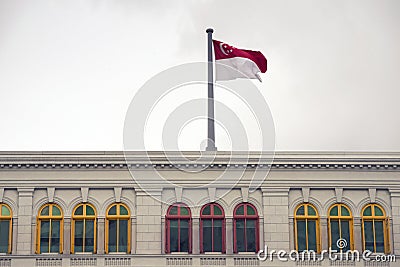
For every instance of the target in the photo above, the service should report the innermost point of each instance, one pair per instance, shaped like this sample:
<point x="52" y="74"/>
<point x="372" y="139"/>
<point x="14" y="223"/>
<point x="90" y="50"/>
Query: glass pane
<point x="312" y="234"/>
<point x="55" y="236"/>
<point x="240" y="210"/>
<point x="207" y="210"/>
<point x="379" y="236"/>
<point x="301" y="235"/>
<point x="217" y="235"/>
<point x="4" y="231"/>
<point x="335" y="235"/>
<point x="123" y="236"/>
<point x="240" y="236"/>
<point x="345" y="211"/>
<point x="250" y="210"/>
<point x="44" y="236"/>
<point x="184" y="231"/>
<point x="334" y="211"/>
<point x="173" y="236"/>
<point x="207" y="235"/>
<point x="113" y="210"/>
<point x="89" y="211"/>
<point x="345" y="224"/>
<point x="217" y="210"/>
<point x="112" y="235"/>
<point x="369" y="235"/>
<point x="367" y="211"/>
<point x="89" y="236"/>
<point x="251" y="235"/>
<point x="311" y="211"/>
<point x="45" y="211"/>
<point x="79" y="210"/>
<point x="378" y="211"/>
<point x="184" y="211"/>
<point x="123" y="210"/>
<point x="300" y="210"/>
<point x="56" y="211"/>
<point x="78" y="239"/>
<point x="5" y="211"/>
<point x="173" y="210"/>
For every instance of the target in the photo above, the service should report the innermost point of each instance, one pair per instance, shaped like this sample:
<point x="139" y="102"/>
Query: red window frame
<point x="179" y="217"/>
<point x="212" y="217"/>
<point x="245" y="217"/>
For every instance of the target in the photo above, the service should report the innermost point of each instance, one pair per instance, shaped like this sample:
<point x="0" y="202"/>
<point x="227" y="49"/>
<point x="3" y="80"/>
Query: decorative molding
<point x="178" y="194"/>
<point x="84" y="194"/>
<point x="211" y="194"/>
<point x="245" y="193"/>
<point x="339" y="194"/>
<point x="117" y="194"/>
<point x="372" y="194"/>
<point x="50" y="193"/>
<point x="305" y="191"/>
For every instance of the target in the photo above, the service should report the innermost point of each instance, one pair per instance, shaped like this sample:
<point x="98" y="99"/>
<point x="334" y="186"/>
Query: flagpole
<point x="210" y="103"/>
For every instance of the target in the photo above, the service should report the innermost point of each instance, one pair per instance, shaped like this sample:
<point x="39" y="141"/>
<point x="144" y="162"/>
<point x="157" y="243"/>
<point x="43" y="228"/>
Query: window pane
<point x="334" y="211"/>
<point x="217" y="235"/>
<point x="79" y="210"/>
<point x="368" y="235"/>
<point x="112" y="235"/>
<point x="345" y="211"/>
<point x="251" y="235"/>
<point x="311" y="211"/>
<point x="4" y="231"/>
<point x="123" y="210"/>
<point x="312" y="234"/>
<point x="173" y="210"/>
<point x="184" y="231"/>
<point x="44" y="236"/>
<point x="56" y="211"/>
<point x="250" y="210"/>
<point x="207" y="235"/>
<point x="379" y="236"/>
<point x="123" y="236"/>
<point x="240" y="210"/>
<point x="207" y="210"/>
<point x="89" y="211"/>
<point x="89" y="236"/>
<point x="45" y="211"/>
<point x="335" y="235"/>
<point x="55" y="236"/>
<point x="300" y="210"/>
<point x="184" y="211"/>
<point x="5" y="211"/>
<point x="113" y="210"/>
<point x="78" y="236"/>
<point x="345" y="224"/>
<point x="217" y="210"/>
<point x="240" y="240"/>
<point x="173" y="235"/>
<point x="378" y="211"/>
<point x="367" y="211"/>
<point x="301" y="235"/>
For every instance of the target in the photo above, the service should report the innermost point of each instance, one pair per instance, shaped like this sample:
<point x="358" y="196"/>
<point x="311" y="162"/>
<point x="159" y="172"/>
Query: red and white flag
<point x="237" y="63"/>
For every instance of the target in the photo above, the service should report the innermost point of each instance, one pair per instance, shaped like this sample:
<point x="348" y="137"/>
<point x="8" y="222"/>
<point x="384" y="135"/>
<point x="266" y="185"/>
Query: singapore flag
<point x="233" y="63"/>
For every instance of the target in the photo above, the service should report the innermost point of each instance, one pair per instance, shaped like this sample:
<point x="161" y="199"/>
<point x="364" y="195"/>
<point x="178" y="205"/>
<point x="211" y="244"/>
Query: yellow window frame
<point x="118" y="217"/>
<point x="7" y="218"/>
<point x="341" y="218"/>
<point x="85" y="218"/>
<point x="50" y="217"/>
<point x="306" y="217"/>
<point x="373" y="218"/>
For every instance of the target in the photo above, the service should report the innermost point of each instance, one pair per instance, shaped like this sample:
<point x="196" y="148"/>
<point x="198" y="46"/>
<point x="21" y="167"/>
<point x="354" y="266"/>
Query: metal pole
<point x="211" y="130"/>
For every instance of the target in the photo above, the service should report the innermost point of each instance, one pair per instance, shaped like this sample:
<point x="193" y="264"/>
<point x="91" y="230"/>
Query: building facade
<point x="86" y="209"/>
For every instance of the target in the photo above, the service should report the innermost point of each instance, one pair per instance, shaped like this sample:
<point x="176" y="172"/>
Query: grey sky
<point x="68" y="69"/>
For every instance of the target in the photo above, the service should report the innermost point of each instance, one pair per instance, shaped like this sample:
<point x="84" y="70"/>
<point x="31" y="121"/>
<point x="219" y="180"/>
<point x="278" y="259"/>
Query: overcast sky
<point x="69" y="69"/>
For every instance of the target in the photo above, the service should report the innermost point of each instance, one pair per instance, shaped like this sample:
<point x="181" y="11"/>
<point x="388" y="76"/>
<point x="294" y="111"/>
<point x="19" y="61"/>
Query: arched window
<point x="307" y="228"/>
<point x="340" y="223"/>
<point x="118" y="228"/>
<point x="83" y="229"/>
<point x="375" y="227"/>
<point x="49" y="229"/>
<point x="178" y="229"/>
<point x="5" y="228"/>
<point x="245" y="225"/>
<point x="212" y="228"/>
